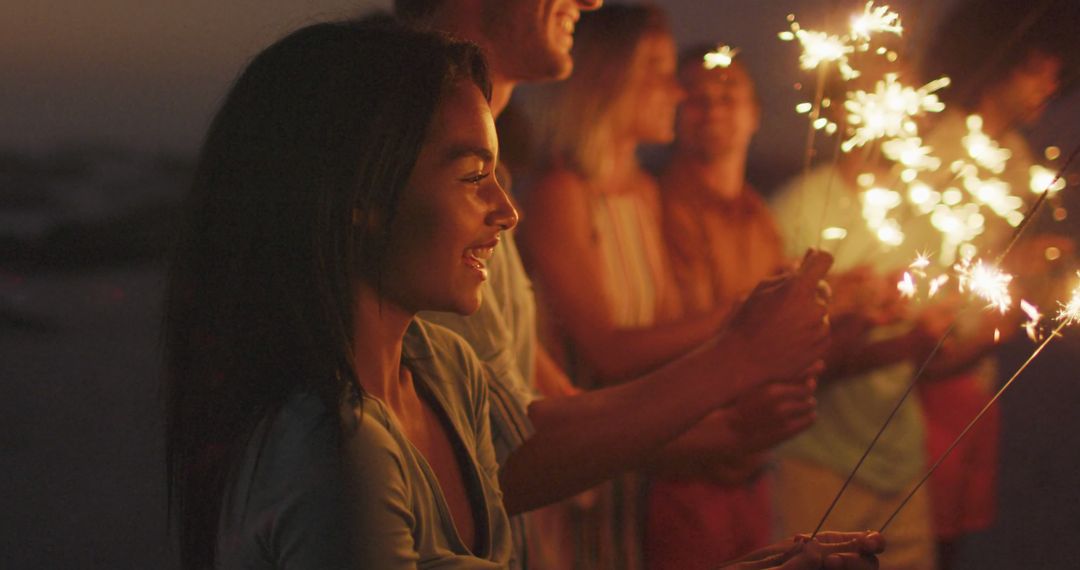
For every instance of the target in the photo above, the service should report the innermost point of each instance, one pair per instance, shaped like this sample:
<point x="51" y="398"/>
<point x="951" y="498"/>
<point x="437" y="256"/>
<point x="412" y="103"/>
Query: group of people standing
<point x="364" y="371"/>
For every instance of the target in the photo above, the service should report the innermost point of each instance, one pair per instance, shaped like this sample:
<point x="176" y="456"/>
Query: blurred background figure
<point x="875" y="347"/>
<point x="722" y="242"/>
<point x="592" y="241"/>
<point x="1005" y="65"/>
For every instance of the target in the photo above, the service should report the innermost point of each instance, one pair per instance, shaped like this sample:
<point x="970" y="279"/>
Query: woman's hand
<point x="833" y="550"/>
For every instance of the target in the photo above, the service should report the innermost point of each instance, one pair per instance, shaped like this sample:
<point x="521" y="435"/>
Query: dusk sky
<point x="149" y="73"/>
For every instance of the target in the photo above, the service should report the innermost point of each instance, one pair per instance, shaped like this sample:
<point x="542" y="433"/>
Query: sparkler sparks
<point x="1031" y="326"/>
<point x="910" y="152"/>
<point x="984" y="150"/>
<point x="890" y="110"/>
<point x="922" y="261"/>
<point x="821" y="47"/>
<point x="986" y="282"/>
<point x="1045" y="180"/>
<point x="906" y="286"/>
<point x="833" y="233"/>
<point x="722" y="56"/>
<point x="937" y="283"/>
<point x="875" y="20"/>
<point x="1069" y="314"/>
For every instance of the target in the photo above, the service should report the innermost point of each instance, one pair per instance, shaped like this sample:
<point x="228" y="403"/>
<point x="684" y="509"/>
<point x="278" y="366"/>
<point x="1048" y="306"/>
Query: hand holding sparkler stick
<point x="783" y="324"/>
<point x="841" y="550"/>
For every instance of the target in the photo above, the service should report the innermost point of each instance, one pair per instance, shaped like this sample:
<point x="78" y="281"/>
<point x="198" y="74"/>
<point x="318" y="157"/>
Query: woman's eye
<point x="476" y="178"/>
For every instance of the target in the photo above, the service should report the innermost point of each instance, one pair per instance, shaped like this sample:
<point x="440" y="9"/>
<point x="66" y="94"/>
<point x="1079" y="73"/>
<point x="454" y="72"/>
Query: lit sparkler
<point x="1034" y="317"/>
<point x="875" y="20"/>
<point x="1069" y="315"/>
<point x="890" y="110"/>
<point x="906" y="286"/>
<point x="821" y="47"/>
<point x="986" y="282"/>
<point x="722" y="56"/>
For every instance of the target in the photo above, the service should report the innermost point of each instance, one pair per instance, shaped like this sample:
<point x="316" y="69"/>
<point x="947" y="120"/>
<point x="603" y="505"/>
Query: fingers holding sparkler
<point x="835" y="550"/>
<point x="785" y="320"/>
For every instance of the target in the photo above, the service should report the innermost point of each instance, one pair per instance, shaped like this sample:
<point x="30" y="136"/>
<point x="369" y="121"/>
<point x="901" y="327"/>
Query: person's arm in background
<point x="779" y="332"/>
<point x="563" y="257"/>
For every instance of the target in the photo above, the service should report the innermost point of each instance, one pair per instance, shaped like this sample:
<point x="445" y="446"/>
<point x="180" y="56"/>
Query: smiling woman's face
<point x="450" y="212"/>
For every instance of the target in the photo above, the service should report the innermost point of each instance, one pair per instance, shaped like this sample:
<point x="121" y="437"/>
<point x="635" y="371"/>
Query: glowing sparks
<point x="875" y="20"/>
<point x="722" y="56"/>
<point x="1034" y="317"/>
<point x="984" y="150"/>
<point x="936" y="284"/>
<point x="906" y="286"/>
<point x="1070" y="311"/>
<point x="832" y="233"/>
<point x="819" y="48"/>
<point x="1045" y="180"/>
<point x="986" y="282"/>
<point x="889" y="111"/>
<point x="922" y="261"/>
<point x="910" y="152"/>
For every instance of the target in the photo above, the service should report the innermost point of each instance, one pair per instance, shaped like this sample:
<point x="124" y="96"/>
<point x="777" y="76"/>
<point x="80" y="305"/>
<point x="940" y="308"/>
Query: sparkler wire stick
<point x="972" y="424"/>
<point x="828" y="188"/>
<point x="877" y="436"/>
<point x="1030" y="215"/>
<point x="810" y="132"/>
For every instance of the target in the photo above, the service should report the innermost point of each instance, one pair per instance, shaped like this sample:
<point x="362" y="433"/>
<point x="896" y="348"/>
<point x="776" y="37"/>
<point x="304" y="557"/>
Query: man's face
<point x="1030" y="86"/>
<point x="720" y="113"/>
<point x="531" y="40"/>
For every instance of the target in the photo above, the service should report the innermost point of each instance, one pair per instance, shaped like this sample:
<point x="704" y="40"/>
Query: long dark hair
<point x="259" y="302"/>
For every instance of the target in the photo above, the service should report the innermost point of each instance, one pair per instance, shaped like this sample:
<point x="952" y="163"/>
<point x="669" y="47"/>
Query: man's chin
<point x="554" y="66"/>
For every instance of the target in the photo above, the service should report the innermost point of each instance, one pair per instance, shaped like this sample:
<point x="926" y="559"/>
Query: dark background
<point x="102" y="108"/>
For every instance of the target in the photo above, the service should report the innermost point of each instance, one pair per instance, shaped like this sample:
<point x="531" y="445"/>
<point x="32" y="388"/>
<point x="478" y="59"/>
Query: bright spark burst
<point x="890" y="110"/>
<point x="906" y="286"/>
<point x="875" y="20"/>
<point x="922" y="261"/>
<point x="986" y="282"/>
<point x="1031" y="326"/>
<point x="821" y="47"/>
<point x="722" y="56"/>
<point x="1069" y="314"/>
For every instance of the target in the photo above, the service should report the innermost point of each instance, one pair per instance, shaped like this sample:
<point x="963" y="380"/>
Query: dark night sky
<point x="148" y="73"/>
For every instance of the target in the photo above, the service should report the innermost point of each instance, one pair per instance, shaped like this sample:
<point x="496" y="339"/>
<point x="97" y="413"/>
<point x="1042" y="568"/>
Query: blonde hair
<point x="573" y="118"/>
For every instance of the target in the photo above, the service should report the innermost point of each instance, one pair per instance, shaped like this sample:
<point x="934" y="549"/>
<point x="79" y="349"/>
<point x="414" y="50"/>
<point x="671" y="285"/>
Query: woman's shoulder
<point x="447" y="363"/>
<point x="305" y="436"/>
